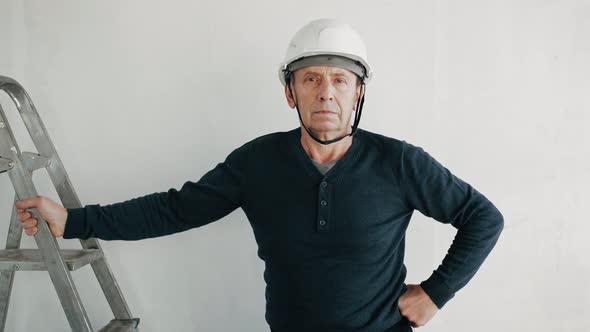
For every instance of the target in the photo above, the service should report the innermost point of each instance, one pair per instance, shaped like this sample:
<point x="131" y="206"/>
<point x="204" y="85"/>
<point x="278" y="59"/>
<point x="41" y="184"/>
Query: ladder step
<point x="121" y="325"/>
<point x="31" y="260"/>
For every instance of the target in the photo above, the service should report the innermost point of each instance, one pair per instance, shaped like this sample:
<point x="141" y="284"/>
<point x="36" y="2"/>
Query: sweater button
<point x="322" y="222"/>
<point x="324" y="203"/>
<point x="324" y="184"/>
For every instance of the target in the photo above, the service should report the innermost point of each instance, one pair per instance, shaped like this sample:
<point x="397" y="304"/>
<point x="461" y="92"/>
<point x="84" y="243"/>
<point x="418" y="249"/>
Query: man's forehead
<point x="333" y="70"/>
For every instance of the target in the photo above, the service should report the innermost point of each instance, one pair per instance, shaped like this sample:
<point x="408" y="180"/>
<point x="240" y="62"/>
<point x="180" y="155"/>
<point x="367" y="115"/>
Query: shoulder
<point x="415" y="158"/>
<point x="382" y="144"/>
<point x="399" y="145"/>
<point x="262" y="144"/>
<point x="403" y="154"/>
<point x="376" y="138"/>
<point x="268" y="143"/>
<point x="270" y="138"/>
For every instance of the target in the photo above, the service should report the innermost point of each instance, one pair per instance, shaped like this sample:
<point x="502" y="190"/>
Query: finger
<point x="31" y="231"/>
<point x="28" y="203"/>
<point x="29" y="223"/>
<point x="24" y="216"/>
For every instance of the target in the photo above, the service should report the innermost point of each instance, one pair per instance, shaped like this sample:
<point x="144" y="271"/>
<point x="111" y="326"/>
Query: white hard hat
<point x="327" y="37"/>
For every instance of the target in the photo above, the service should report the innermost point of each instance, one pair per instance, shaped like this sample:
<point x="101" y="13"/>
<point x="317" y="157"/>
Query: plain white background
<point x="140" y="97"/>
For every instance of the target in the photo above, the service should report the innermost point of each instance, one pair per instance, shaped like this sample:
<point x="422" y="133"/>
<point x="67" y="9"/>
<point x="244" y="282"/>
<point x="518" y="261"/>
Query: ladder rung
<point x="121" y="325"/>
<point x="30" y="259"/>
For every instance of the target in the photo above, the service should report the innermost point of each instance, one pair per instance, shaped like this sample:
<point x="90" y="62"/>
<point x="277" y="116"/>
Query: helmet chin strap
<point x="357" y="116"/>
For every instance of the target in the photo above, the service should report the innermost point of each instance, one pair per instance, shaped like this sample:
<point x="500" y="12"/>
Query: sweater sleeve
<point x="214" y="196"/>
<point x="434" y="191"/>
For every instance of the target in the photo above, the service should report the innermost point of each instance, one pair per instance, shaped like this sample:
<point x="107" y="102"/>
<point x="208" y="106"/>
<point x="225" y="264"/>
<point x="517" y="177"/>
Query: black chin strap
<point x="357" y="115"/>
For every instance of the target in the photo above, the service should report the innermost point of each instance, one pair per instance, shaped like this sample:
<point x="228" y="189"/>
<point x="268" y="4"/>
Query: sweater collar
<point x="294" y="138"/>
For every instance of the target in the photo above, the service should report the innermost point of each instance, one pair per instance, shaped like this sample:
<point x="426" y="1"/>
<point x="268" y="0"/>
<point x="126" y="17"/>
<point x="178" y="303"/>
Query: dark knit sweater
<point x="333" y="244"/>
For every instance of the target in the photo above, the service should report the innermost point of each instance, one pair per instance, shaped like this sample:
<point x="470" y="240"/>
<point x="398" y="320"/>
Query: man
<point x="329" y="204"/>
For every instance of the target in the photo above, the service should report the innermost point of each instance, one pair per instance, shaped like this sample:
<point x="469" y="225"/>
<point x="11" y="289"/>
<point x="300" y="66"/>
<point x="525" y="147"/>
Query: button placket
<point x="323" y="222"/>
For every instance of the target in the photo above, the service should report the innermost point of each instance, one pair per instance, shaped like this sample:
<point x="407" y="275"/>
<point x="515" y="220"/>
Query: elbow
<point x="498" y="222"/>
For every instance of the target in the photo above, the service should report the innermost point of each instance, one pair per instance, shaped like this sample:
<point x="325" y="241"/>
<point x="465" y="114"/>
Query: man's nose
<point x="326" y="91"/>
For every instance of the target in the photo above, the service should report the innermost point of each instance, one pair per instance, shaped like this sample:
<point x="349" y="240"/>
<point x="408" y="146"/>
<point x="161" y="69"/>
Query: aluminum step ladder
<point x="49" y="257"/>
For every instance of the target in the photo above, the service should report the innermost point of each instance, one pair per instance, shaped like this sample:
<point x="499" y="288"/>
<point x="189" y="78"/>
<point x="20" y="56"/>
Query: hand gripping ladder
<point x="49" y="257"/>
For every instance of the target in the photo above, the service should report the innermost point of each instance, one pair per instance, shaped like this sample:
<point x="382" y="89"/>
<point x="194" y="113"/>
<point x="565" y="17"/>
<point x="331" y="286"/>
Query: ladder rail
<point x="40" y="137"/>
<point x="46" y="242"/>
<point x="65" y="190"/>
<point x="13" y="240"/>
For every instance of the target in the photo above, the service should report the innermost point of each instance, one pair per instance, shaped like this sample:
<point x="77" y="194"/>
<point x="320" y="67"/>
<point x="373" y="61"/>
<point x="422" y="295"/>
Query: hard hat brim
<point x="285" y="64"/>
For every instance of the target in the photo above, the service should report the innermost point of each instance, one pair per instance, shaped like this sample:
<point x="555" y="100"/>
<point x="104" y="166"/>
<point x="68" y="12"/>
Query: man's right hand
<point x="55" y="215"/>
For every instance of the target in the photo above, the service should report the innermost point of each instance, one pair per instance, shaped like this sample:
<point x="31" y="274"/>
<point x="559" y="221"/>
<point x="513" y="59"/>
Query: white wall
<point x="141" y="96"/>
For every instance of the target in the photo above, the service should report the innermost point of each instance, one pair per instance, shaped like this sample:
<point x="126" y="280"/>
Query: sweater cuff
<point x="75" y="223"/>
<point x="437" y="290"/>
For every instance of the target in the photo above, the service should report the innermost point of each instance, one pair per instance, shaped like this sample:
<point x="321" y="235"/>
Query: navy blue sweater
<point x="333" y="244"/>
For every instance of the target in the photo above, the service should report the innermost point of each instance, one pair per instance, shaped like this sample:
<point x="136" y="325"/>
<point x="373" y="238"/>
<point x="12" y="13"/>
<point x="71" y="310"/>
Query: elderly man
<point x="329" y="204"/>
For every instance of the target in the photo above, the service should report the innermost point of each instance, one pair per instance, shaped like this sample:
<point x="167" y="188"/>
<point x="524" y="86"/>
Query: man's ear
<point x="290" y="99"/>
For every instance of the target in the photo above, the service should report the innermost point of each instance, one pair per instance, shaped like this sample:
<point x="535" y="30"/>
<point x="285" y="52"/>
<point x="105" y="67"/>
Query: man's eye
<point x="311" y="79"/>
<point x="341" y="81"/>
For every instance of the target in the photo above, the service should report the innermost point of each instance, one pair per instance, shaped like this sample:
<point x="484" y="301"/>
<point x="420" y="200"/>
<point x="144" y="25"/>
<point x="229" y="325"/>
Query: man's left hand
<point x="417" y="306"/>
